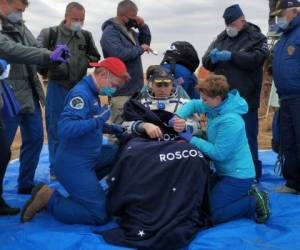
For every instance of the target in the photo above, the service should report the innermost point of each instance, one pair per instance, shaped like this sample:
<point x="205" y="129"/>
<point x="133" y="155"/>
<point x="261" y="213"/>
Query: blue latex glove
<point x="114" y="129"/>
<point x="103" y="116"/>
<point x="171" y="122"/>
<point x="60" y="54"/>
<point x="223" y="55"/>
<point x="3" y="66"/>
<point x="186" y="135"/>
<point x="213" y="55"/>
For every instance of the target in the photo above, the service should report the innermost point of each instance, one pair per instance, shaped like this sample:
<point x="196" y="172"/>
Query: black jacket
<point x="244" y="71"/>
<point x="117" y="42"/>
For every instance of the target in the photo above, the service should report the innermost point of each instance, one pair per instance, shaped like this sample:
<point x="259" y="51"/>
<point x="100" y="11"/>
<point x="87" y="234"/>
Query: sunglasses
<point x="163" y="83"/>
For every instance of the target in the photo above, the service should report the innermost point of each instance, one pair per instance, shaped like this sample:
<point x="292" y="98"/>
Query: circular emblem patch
<point x="77" y="103"/>
<point x="291" y="50"/>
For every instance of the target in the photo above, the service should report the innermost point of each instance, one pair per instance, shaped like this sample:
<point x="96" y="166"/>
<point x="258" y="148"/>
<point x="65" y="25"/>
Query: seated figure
<point x="163" y="99"/>
<point x="158" y="188"/>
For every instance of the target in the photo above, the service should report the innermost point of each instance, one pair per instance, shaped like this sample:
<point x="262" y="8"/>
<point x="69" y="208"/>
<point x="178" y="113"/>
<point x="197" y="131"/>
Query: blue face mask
<point x="108" y="91"/>
<point x="15" y="17"/>
<point x="282" y="22"/>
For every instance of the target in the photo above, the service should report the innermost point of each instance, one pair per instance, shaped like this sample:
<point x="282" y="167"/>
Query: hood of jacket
<point x="234" y="103"/>
<point x="113" y="22"/>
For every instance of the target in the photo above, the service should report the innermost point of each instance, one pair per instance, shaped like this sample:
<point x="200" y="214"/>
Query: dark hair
<point x="125" y="6"/>
<point x="213" y="86"/>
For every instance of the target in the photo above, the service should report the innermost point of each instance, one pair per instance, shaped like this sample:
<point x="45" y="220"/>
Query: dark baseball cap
<point x="283" y="5"/>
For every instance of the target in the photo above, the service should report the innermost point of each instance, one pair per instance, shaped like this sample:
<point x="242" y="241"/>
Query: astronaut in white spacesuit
<point x="161" y="96"/>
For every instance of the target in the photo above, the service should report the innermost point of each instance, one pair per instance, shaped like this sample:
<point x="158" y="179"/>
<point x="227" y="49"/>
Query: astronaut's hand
<point x="152" y="130"/>
<point x="177" y="123"/>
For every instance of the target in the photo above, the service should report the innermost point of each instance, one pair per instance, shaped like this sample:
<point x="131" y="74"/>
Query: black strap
<point x="53" y="35"/>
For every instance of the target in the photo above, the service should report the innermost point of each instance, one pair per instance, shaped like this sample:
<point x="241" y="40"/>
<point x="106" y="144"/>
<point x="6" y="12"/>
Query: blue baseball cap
<point x="232" y="13"/>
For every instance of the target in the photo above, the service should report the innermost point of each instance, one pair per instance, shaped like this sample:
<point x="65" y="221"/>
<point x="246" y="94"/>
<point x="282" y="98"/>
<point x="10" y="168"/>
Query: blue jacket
<point x="117" y="42"/>
<point x="227" y="144"/>
<point x="78" y="130"/>
<point x="286" y="61"/>
<point x="189" y="78"/>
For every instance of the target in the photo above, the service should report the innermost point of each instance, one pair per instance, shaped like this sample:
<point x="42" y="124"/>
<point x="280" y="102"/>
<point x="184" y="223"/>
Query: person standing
<point x="15" y="52"/>
<point x="5" y="152"/>
<point x="80" y="153"/>
<point x="285" y="68"/>
<point x="63" y="77"/>
<point x="27" y="88"/>
<point x="239" y="53"/>
<point x="120" y="40"/>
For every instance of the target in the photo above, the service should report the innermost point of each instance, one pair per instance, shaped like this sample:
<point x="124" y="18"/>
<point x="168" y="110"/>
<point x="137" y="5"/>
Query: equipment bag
<point x="183" y="53"/>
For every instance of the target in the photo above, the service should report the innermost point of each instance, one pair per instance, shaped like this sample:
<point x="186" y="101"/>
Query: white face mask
<point x="76" y="26"/>
<point x="15" y="17"/>
<point x="282" y="22"/>
<point x="231" y="31"/>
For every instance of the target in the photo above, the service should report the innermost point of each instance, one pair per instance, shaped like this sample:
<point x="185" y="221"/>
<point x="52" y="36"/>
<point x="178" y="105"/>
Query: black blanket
<point x="159" y="192"/>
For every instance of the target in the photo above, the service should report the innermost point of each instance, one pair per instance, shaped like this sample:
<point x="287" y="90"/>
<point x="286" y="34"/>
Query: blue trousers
<point x="230" y="199"/>
<point x="290" y="141"/>
<point x="86" y="203"/>
<point x="251" y="125"/>
<point x="31" y="126"/>
<point x="55" y="99"/>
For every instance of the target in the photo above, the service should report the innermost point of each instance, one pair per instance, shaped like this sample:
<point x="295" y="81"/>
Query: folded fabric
<point x="11" y="106"/>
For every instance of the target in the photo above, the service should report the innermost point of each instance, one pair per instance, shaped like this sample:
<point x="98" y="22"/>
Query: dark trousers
<point x="31" y="126"/>
<point x="55" y="100"/>
<point x="4" y="155"/>
<point x="251" y="125"/>
<point x="230" y="199"/>
<point x="290" y="139"/>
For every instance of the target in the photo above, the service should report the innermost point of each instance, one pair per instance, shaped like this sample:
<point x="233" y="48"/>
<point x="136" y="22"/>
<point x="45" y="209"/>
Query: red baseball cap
<point x="114" y="65"/>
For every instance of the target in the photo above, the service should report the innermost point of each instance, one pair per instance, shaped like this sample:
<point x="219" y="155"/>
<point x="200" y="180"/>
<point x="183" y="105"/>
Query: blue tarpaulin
<point x="282" y="230"/>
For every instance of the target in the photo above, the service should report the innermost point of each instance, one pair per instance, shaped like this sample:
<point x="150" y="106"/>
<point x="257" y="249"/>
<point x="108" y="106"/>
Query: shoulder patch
<point x="77" y="103"/>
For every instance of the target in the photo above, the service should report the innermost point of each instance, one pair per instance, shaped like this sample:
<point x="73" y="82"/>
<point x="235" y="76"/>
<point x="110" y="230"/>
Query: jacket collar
<point x="68" y="32"/>
<point x="91" y="84"/>
<point x="295" y="23"/>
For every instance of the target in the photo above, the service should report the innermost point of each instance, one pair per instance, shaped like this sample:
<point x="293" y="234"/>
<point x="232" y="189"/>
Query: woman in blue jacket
<point x="233" y="196"/>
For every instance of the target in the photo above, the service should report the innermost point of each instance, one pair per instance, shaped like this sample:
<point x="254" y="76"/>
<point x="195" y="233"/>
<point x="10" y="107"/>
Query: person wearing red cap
<point x="81" y="159"/>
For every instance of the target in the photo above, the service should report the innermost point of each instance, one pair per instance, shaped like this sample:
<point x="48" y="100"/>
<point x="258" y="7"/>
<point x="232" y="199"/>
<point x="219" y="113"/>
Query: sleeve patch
<point x="77" y="103"/>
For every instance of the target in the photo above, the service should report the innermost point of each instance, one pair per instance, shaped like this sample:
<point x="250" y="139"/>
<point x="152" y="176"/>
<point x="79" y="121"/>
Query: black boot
<point x="7" y="210"/>
<point x="26" y="190"/>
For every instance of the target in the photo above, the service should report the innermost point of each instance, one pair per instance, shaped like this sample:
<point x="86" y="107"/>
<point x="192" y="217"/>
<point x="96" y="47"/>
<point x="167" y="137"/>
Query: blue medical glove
<point x="223" y="55"/>
<point x="186" y="135"/>
<point x="171" y="122"/>
<point x="3" y="66"/>
<point x="114" y="129"/>
<point x="60" y="54"/>
<point x="212" y="55"/>
<point x="102" y="117"/>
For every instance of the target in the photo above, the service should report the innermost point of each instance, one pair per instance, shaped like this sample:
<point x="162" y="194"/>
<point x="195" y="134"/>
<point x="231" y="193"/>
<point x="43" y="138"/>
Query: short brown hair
<point x="213" y="86"/>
